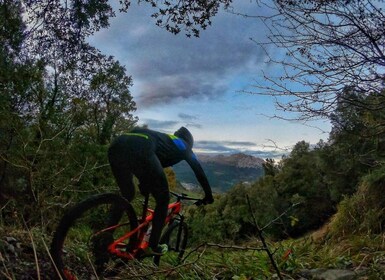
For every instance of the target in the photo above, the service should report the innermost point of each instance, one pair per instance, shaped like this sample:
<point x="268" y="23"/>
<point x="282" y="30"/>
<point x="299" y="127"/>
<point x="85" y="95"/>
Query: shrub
<point x="364" y="211"/>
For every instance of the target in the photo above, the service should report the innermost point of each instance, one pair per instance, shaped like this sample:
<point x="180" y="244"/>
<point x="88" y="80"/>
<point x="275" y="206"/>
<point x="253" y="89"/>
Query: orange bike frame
<point x="173" y="210"/>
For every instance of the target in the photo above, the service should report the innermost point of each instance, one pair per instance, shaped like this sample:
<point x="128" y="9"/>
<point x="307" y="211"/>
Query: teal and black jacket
<point x="144" y="153"/>
<point x="170" y="150"/>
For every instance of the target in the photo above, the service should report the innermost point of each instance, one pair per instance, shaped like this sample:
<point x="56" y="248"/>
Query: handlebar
<point x="183" y="196"/>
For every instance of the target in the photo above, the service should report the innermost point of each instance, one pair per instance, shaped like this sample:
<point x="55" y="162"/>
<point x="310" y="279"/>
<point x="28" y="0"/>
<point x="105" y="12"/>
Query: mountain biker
<point x="144" y="153"/>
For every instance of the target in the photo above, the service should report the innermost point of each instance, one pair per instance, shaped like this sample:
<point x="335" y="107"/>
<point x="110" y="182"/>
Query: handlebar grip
<point x="199" y="202"/>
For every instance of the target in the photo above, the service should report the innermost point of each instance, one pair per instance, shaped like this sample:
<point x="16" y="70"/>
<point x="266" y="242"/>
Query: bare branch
<point x="246" y="248"/>
<point x="280" y="216"/>
<point x="262" y="238"/>
<point x="328" y="46"/>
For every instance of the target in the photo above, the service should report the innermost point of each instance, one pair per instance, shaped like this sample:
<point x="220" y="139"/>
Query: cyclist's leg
<point x="124" y="179"/>
<point x="125" y="155"/>
<point x="155" y="182"/>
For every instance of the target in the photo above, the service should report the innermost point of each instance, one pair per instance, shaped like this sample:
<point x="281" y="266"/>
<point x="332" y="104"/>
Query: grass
<point x="361" y="253"/>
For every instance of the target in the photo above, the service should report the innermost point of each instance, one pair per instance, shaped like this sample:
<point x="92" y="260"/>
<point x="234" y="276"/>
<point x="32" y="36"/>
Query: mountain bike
<point x="100" y="234"/>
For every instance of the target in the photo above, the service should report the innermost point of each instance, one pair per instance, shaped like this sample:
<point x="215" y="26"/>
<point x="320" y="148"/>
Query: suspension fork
<point x="179" y="233"/>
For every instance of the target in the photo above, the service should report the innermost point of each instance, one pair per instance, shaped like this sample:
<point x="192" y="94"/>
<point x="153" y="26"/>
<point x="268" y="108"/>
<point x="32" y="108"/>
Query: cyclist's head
<point x="185" y="135"/>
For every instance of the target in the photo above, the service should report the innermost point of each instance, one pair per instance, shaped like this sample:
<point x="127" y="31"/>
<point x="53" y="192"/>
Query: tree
<point x="356" y="142"/>
<point x="110" y="102"/>
<point x="19" y="78"/>
<point x="329" y="45"/>
<point x="190" y="16"/>
<point x="51" y="82"/>
<point x="301" y="181"/>
<point x="270" y="167"/>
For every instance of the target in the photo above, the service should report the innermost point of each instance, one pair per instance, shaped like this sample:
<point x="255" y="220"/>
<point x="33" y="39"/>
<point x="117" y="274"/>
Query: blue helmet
<point x="184" y="134"/>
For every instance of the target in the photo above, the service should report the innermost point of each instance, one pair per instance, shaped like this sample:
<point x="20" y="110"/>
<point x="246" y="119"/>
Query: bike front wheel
<point x="175" y="236"/>
<point x="79" y="247"/>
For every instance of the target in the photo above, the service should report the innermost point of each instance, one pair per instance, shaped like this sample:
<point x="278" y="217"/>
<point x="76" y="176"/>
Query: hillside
<point x="223" y="171"/>
<point x="23" y="255"/>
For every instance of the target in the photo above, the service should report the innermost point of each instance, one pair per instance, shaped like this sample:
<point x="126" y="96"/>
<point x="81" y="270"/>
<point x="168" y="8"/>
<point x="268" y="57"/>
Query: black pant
<point x="135" y="155"/>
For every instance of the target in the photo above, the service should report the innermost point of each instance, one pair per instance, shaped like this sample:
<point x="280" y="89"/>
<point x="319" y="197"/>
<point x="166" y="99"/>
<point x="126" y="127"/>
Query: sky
<point x="200" y="83"/>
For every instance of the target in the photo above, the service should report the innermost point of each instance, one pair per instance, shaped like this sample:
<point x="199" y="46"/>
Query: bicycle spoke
<point x="84" y="252"/>
<point x="175" y="236"/>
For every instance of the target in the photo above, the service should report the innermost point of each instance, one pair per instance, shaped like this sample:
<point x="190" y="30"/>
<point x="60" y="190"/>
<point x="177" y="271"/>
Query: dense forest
<point x="62" y="101"/>
<point x="344" y="173"/>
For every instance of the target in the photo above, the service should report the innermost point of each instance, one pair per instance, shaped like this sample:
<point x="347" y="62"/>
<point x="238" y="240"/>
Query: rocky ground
<point x="19" y="260"/>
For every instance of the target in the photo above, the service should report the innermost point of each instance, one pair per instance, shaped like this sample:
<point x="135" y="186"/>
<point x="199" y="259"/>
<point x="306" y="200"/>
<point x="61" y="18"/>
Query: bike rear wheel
<point x="175" y="237"/>
<point x="80" y="244"/>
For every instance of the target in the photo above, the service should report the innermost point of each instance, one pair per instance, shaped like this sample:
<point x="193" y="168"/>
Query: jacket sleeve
<point x="199" y="173"/>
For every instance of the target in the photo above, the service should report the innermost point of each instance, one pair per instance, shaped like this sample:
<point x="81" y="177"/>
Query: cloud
<point x="189" y="120"/>
<point x="268" y="154"/>
<point x="228" y="143"/>
<point x="213" y="147"/>
<point x="175" y="89"/>
<point x="187" y="117"/>
<point x="196" y="125"/>
<point x="160" y="125"/>
<point x="166" y="125"/>
<point x="171" y="69"/>
<point x="223" y="146"/>
<point x="231" y="147"/>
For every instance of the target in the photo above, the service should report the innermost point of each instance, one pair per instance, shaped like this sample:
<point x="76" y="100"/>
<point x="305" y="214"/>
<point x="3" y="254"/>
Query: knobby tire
<point x="87" y="219"/>
<point x="176" y="245"/>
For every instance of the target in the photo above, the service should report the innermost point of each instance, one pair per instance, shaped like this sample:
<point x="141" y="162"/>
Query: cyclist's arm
<point x="200" y="175"/>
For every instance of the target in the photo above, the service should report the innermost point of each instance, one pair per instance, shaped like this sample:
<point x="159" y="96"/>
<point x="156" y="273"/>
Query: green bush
<point x="364" y="211"/>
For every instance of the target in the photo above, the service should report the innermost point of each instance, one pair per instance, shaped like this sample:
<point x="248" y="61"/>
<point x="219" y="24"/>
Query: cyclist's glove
<point x="198" y="202"/>
<point x="208" y="199"/>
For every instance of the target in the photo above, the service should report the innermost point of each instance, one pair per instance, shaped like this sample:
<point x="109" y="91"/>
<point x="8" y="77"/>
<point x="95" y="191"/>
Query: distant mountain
<point x="223" y="171"/>
<point x="237" y="160"/>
